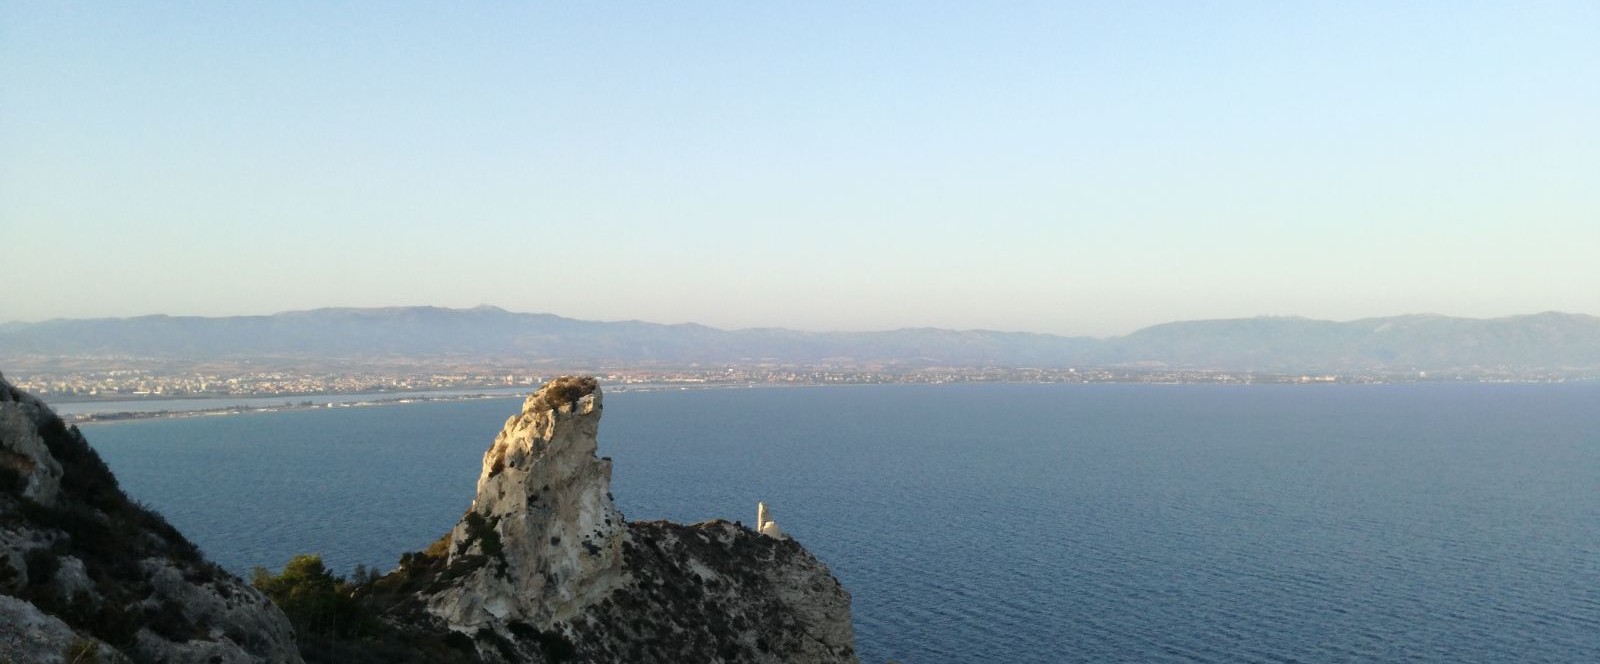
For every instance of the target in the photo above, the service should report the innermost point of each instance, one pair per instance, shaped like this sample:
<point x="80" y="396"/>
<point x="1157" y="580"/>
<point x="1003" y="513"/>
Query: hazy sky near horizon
<point x="1075" y="168"/>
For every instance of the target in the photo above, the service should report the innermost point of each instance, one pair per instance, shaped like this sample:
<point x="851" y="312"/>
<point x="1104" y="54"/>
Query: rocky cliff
<point x="544" y="568"/>
<point x="88" y="575"/>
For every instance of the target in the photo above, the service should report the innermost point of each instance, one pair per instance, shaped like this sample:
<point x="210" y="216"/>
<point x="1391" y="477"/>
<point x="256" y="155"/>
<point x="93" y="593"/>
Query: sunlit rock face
<point x="88" y="575"/>
<point x="765" y="523"/>
<point x="544" y="568"/>
<point x="543" y="520"/>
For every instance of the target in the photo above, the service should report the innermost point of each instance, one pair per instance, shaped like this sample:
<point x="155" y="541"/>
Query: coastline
<point x="106" y="417"/>
<point x="324" y="402"/>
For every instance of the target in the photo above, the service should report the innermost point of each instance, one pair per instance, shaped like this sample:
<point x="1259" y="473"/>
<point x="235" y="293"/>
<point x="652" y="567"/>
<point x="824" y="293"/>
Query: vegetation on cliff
<point x="358" y="620"/>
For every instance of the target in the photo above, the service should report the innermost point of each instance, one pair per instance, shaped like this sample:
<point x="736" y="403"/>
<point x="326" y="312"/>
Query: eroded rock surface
<point x="543" y="521"/>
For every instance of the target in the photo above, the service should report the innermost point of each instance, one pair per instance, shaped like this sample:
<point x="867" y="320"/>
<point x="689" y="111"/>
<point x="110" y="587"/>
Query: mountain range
<point x="1539" y="342"/>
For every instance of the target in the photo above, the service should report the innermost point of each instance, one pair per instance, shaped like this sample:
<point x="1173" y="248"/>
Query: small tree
<point x="316" y="601"/>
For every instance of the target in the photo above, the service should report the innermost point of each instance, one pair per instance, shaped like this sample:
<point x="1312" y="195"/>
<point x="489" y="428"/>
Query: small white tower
<point x="764" y="523"/>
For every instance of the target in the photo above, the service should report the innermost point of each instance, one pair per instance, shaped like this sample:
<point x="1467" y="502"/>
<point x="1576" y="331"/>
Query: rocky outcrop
<point x="717" y="592"/>
<point x="544" y="568"/>
<point x="86" y="572"/>
<point x="543" y="518"/>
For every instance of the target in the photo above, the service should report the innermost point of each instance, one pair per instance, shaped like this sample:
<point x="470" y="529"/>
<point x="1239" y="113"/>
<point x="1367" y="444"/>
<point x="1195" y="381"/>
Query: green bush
<point x="565" y="390"/>
<point x="480" y="529"/>
<point x="316" y="602"/>
<point x="81" y="651"/>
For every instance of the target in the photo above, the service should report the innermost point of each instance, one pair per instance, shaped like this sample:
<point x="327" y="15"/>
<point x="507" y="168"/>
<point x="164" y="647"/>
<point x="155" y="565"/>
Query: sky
<point x="1070" y="168"/>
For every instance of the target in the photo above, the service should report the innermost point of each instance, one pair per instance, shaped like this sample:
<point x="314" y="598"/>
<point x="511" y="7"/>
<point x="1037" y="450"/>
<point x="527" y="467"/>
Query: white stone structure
<point x="765" y="525"/>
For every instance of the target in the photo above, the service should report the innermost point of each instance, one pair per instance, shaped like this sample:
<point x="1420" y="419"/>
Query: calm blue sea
<point x="1012" y="523"/>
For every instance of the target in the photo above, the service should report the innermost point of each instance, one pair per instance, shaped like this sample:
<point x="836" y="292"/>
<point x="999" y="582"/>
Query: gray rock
<point x="25" y="452"/>
<point x="236" y="626"/>
<point x="30" y="635"/>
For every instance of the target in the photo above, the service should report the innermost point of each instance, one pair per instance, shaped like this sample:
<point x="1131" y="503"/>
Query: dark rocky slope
<point x="88" y="575"/>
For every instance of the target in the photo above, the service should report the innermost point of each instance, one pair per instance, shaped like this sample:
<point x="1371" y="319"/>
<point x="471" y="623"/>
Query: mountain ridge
<point x="1547" y="340"/>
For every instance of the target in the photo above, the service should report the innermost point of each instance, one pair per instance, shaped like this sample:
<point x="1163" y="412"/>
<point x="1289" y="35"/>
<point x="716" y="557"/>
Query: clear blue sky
<point x="1054" y="167"/>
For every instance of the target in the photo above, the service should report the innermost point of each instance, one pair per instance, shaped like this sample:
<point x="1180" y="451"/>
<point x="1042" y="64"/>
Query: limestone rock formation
<point x="543" y="567"/>
<point x="543" y="514"/>
<point x="86" y="572"/>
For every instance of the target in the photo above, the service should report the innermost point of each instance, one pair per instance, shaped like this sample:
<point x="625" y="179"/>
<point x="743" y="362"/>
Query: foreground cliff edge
<point x="541" y="568"/>
<point x="86" y="575"/>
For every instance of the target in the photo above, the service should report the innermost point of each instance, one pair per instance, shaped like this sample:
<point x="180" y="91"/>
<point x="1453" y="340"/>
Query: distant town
<point x="158" y="383"/>
<point x="417" y="350"/>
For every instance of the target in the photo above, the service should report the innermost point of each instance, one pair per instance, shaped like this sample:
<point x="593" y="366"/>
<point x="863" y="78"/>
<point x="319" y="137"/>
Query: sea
<point x="1441" y="523"/>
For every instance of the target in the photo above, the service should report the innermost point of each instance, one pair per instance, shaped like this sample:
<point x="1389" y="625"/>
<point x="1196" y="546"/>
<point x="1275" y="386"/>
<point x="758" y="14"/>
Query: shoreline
<point x="131" y="416"/>
<point x="397" y="399"/>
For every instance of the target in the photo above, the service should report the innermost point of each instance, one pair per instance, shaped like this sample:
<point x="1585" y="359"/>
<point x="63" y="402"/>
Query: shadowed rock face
<point x="544" y="568"/>
<point x="84" y="570"/>
<point x="716" y="591"/>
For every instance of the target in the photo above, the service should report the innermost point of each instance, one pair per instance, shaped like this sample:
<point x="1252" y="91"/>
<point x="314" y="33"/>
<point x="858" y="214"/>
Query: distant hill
<point x="1547" y="341"/>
